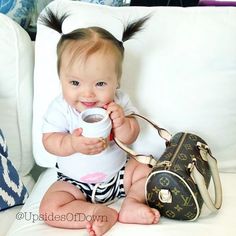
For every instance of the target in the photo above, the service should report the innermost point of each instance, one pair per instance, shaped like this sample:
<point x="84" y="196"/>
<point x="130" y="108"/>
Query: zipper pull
<point x="165" y="164"/>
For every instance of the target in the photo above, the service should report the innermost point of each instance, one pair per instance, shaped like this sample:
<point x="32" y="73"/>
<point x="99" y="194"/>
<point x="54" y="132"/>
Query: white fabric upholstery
<point x="180" y="72"/>
<point x="16" y="79"/>
<point x="16" y="73"/>
<point x="223" y="223"/>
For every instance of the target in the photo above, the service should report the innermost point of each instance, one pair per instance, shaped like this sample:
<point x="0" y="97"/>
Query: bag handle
<point x="200" y="182"/>
<point x="195" y="174"/>
<point x="145" y="159"/>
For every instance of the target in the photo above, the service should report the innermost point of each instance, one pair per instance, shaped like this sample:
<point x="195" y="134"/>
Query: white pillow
<point x="180" y="71"/>
<point x="16" y="92"/>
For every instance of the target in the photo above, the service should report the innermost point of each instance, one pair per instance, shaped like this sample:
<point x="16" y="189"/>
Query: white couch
<point x="180" y="71"/>
<point x="16" y="94"/>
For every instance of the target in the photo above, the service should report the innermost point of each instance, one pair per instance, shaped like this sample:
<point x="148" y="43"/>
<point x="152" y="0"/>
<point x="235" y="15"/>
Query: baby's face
<point x="90" y="83"/>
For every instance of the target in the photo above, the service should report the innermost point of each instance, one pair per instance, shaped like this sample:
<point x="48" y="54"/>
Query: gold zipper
<point x="168" y="164"/>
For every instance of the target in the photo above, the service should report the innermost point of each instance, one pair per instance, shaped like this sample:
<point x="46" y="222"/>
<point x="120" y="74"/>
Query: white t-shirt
<point x="61" y="117"/>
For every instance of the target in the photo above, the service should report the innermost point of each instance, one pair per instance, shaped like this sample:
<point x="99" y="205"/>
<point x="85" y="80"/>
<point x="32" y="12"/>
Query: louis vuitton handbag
<point x="178" y="183"/>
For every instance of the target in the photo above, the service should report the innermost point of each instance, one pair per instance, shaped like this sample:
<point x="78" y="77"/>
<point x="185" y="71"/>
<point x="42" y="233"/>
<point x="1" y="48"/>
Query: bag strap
<point x="145" y="159"/>
<point x="200" y="182"/>
<point x="195" y="174"/>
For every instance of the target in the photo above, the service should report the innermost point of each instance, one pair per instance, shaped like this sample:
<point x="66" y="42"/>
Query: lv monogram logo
<point x="187" y="200"/>
<point x="164" y="181"/>
<point x="183" y="156"/>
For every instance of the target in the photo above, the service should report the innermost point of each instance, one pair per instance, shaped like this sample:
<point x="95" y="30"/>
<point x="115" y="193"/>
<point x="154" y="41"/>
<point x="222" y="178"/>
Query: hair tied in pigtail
<point x="132" y="28"/>
<point x="52" y="20"/>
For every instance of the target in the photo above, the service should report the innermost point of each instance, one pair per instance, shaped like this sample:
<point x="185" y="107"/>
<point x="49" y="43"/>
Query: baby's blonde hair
<point x="86" y="41"/>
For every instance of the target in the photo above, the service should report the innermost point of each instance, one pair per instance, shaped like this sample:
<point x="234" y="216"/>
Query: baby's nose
<point x="88" y="92"/>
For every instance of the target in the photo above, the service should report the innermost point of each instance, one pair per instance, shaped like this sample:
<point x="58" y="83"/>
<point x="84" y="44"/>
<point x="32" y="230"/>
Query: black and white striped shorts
<point x="104" y="193"/>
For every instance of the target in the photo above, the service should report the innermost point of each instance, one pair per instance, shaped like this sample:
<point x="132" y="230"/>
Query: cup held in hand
<point x="95" y="123"/>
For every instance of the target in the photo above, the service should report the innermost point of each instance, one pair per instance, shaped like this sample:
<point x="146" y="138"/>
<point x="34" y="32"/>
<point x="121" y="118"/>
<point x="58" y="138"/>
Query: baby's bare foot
<point x="138" y="213"/>
<point x="103" y="219"/>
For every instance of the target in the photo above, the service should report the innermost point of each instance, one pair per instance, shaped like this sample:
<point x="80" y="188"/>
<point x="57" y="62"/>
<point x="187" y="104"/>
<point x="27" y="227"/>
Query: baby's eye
<point x="75" y="83"/>
<point x="100" y="84"/>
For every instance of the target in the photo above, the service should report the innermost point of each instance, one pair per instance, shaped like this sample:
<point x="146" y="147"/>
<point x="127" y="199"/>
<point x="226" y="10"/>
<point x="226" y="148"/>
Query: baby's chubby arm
<point x="65" y="144"/>
<point x="125" y="129"/>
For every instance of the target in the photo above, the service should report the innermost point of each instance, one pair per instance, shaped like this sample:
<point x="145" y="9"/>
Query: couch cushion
<point x="16" y="66"/>
<point x="29" y="222"/>
<point x="180" y="72"/>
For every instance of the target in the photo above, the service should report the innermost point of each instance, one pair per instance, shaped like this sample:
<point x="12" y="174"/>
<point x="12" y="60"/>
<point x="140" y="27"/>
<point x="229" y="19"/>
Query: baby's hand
<point x="116" y="114"/>
<point x="88" y="146"/>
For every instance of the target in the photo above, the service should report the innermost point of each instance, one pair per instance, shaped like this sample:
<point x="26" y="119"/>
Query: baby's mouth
<point x="89" y="104"/>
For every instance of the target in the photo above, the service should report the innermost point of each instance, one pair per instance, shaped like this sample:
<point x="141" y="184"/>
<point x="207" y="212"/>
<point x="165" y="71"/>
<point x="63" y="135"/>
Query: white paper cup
<point x="95" y="123"/>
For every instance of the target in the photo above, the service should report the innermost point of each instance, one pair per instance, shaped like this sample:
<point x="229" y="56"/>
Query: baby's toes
<point x="156" y="215"/>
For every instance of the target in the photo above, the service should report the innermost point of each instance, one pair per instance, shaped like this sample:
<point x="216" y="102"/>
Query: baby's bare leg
<point x="134" y="209"/>
<point x="65" y="206"/>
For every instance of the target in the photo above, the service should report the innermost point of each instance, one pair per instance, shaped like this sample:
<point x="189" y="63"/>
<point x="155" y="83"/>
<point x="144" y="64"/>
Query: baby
<point x="89" y="67"/>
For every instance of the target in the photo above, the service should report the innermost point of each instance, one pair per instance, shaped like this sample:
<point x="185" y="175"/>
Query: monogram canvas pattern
<point x="12" y="190"/>
<point x="186" y="201"/>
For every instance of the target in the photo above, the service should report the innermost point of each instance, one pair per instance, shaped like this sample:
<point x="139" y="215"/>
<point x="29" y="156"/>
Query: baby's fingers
<point x="77" y="132"/>
<point x="97" y="147"/>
